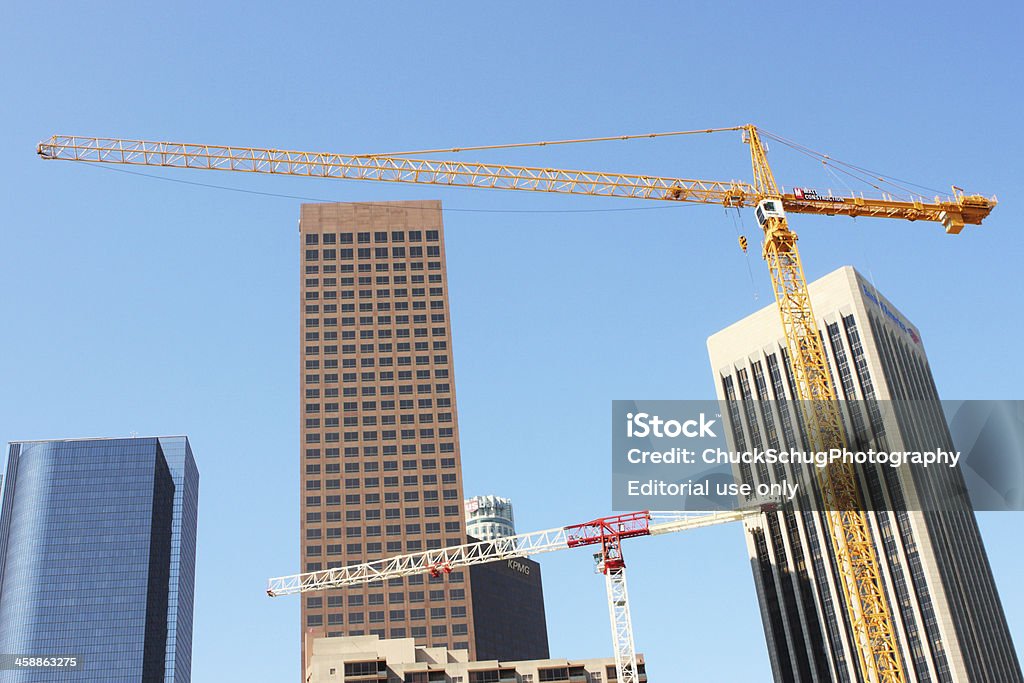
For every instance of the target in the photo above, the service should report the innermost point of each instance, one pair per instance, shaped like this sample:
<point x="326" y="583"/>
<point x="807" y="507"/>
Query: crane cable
<point x="737" y="225"/>
<point x="322" y="200"/>
<point x="550" y="143"/>
<point x="828" y="160"/>
<point x="865" y="176"/>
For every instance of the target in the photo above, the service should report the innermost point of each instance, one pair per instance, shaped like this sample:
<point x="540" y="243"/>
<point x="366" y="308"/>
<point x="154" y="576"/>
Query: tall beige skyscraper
<point x="948" y="617"/>
<point x="381" y="473"/>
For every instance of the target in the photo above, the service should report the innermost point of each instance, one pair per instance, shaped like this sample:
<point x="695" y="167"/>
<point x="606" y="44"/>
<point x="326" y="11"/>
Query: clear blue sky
<point x="130" y="304"/>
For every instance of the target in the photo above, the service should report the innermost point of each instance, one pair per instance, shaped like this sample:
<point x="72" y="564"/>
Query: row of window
<point x="383" y="347"/>
<point x="365" y="253"/>
<point x="375" y="530"/>
<point x="442" y="402"/>
<point x="353" y="499"/>
<point x="429" y="495"/>
<point x="373" y="466"/>
<point x="389" y="376"/>
<point x="436" y="631"/>
<point x="380" y="236"/>
<point x="381" y="320"/>
<point x="366" y="280"/>
<point x="371" y="420"/>
<point x="373" y="515"/>
<point x="389" y="466"/>
<point x="436" y="304"/>
<point x="408" y="480"/>
<point x="380" y="307"/>
<point x="377" y="617"/>
<point x="385" y="376"/>
<point x="395" y="598"/>
<point x="374" y="482"/>
<point x="386" y="450"/>
<point x="379" y="267"/>
<point x="375" y="548"/>
<point x="406" y="420"/>
<point x="387" y="420"/>
<point x="372" y="389"/>
<point x="456" y="576"/>
<point x="383" y="435"/>
<point x="350" y="335"/>
<point x="368" y="321"/>
<point x="373" y="452"/>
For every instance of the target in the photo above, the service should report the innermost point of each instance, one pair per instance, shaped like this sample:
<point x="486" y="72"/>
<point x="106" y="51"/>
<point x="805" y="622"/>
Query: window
<point x="363" y="668"/>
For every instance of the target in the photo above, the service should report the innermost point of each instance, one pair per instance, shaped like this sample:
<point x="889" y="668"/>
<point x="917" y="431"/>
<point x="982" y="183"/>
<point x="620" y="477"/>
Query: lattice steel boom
<point x="954" y="211"/>
<point x="511" y="547"/>
<point x="608" y="532"/>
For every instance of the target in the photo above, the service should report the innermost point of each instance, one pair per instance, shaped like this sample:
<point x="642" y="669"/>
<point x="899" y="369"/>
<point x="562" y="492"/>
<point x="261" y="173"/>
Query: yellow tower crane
<point x="866" y="606"/>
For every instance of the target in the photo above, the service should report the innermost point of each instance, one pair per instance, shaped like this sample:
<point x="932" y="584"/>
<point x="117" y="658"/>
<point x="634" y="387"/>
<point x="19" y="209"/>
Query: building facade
<point x="380" y="460"/>
<point x="489" y="517"/>
<point x="97" y="558"/>
<point x="369" y="660"/>
<point x="947" y="614"/>
<point x="508" y="603"/>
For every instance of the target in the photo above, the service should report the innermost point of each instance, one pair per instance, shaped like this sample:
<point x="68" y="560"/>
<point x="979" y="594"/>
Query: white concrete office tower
<point x="948" y="618"/>
<point x="489" y="517"/>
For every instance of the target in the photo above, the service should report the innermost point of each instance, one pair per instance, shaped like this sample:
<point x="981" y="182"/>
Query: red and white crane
<point x="607" y="532"/>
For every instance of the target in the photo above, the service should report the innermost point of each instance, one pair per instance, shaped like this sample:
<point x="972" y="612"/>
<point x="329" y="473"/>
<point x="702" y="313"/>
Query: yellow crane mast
<point x="866" y="605"/>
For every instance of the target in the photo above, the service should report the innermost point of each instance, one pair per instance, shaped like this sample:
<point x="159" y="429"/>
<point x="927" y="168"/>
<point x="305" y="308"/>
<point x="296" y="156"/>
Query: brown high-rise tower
<point x="381" y="473"/>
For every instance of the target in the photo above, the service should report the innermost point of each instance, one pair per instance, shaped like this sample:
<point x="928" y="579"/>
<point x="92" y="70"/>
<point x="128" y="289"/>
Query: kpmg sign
<point x="520" y="567"/>
<point x="892" y="316"/>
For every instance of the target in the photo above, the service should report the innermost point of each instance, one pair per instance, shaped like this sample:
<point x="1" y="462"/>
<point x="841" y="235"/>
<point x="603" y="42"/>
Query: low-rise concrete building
<point x="369" y="659"/>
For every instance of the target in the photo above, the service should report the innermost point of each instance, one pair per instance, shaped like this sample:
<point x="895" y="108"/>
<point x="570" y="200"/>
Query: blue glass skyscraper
<point x="97" y="558"/>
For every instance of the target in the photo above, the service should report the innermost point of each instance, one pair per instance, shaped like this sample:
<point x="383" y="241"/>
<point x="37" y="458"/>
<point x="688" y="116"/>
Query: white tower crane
<point x="608" y="532"/>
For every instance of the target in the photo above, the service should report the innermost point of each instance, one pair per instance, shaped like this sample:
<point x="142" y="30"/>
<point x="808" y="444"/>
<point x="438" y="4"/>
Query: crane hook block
<point x="743" y="243"/>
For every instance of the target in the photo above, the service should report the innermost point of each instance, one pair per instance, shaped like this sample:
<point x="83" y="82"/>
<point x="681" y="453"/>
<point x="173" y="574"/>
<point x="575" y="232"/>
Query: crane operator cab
<point x="769" y="208"/>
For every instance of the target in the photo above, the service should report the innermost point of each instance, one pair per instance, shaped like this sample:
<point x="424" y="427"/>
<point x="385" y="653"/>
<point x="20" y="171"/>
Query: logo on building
<point x="519" y="567"/>
<point x="911" y="332"/>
